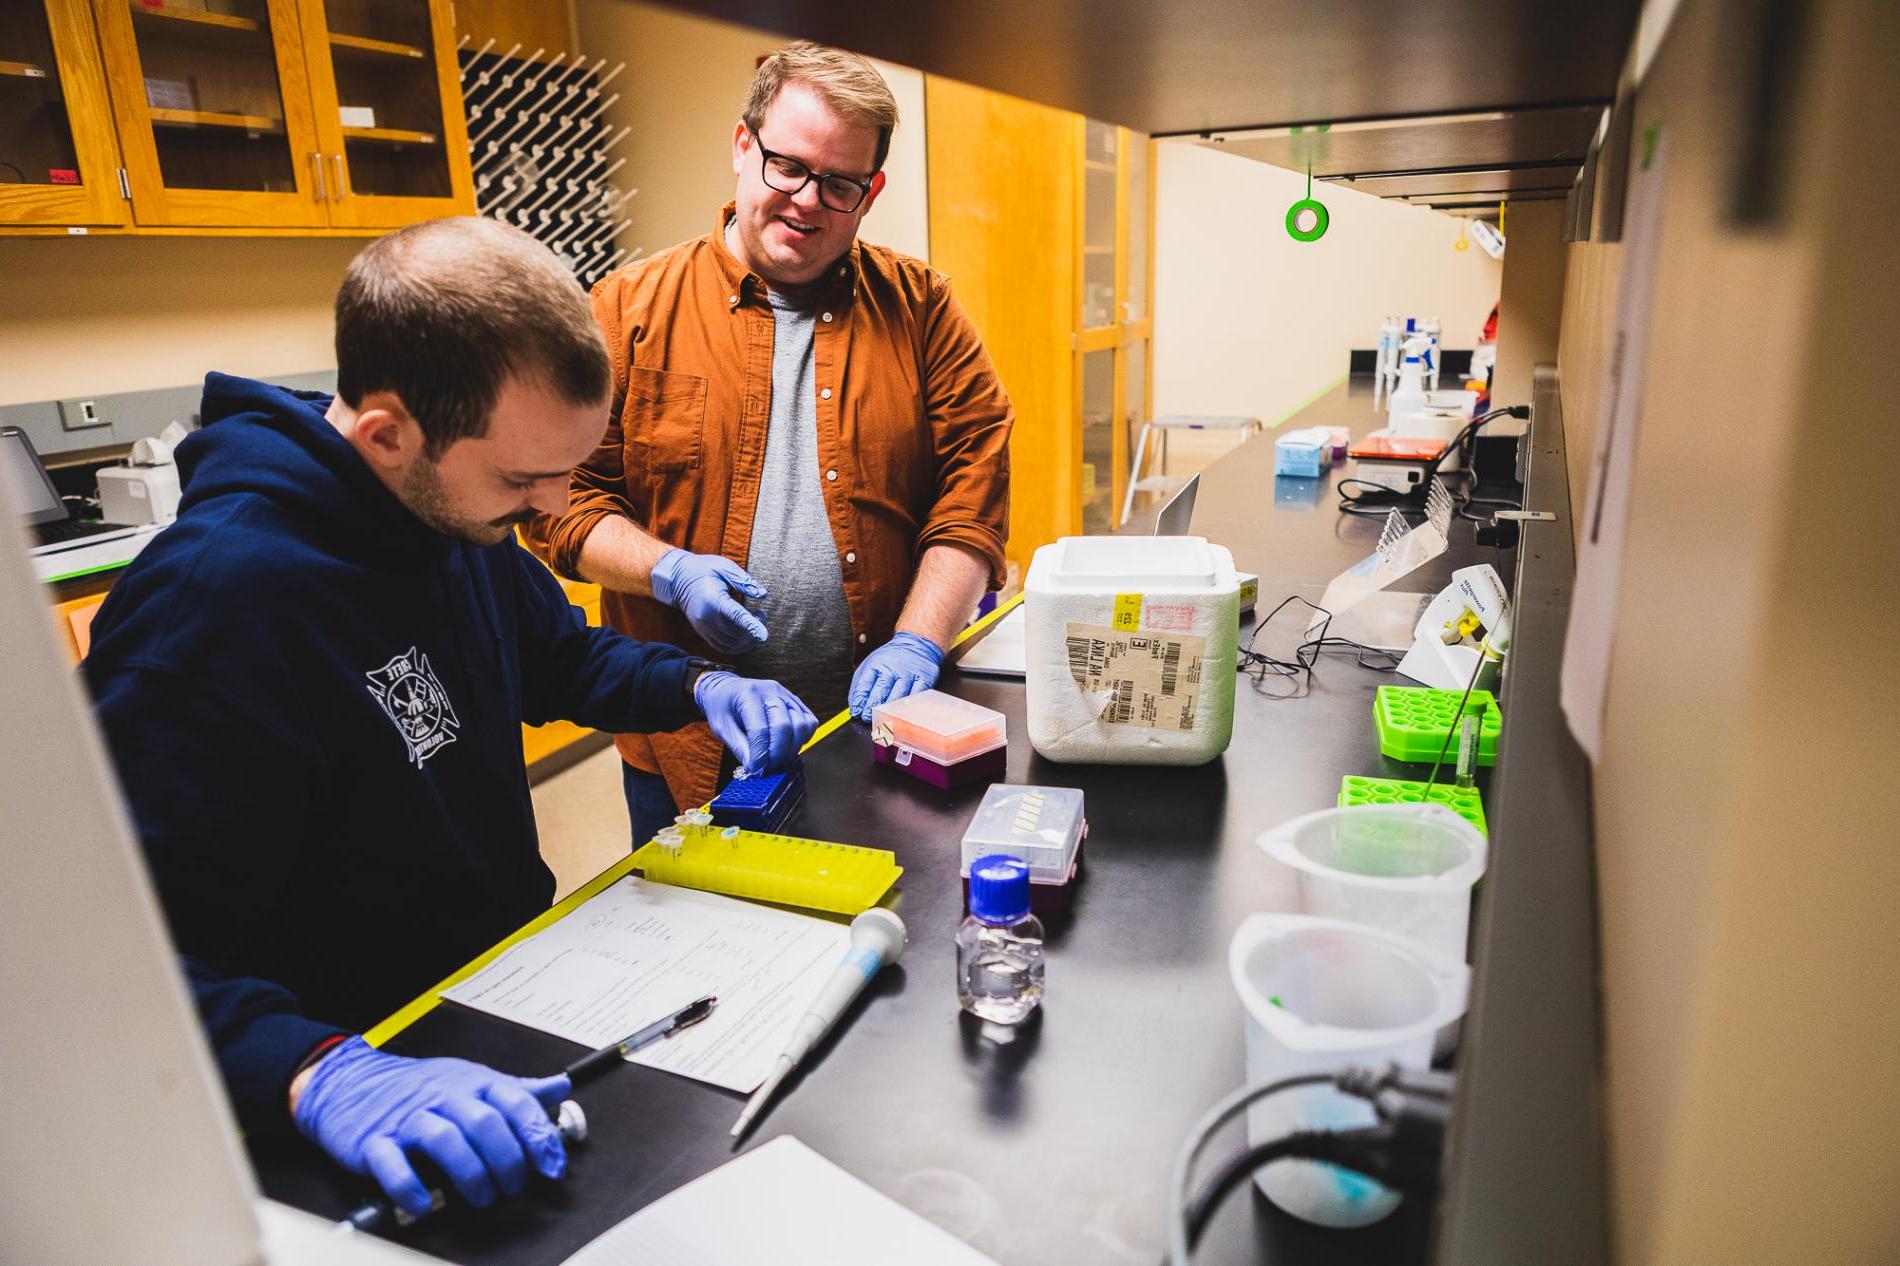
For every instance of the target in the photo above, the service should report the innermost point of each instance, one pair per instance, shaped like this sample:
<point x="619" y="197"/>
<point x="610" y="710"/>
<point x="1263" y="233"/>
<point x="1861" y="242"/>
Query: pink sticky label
<point x="1167" y="617"/>
<point x="62" y="176"/>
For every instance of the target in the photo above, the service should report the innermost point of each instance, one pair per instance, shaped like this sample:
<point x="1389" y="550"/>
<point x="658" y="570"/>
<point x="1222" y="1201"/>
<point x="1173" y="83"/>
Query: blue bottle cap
<point x="999" y="890"/>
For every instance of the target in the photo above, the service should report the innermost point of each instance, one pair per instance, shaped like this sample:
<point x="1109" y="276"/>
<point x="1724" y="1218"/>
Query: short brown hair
<point x="443" y="313"/>
<point x="844" y="81"/>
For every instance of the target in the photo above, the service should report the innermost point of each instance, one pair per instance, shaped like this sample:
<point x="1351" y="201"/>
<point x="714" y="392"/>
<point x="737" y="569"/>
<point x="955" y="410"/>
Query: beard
<point x="423" y="495"/>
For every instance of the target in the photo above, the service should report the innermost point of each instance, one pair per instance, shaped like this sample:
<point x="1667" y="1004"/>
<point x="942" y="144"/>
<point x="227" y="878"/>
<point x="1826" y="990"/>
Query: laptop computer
<point x="1179" y="512"/>
<point x="54" y="525"/>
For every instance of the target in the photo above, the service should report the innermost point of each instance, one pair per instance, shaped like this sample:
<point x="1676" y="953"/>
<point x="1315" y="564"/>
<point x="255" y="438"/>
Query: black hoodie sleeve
<point x="589" y="675"/>
<point x="217" y="801"/>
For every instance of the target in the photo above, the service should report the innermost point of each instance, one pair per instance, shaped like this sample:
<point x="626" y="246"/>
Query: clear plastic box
<point x="1043" y="826"/>
<point x="939" y="727"/>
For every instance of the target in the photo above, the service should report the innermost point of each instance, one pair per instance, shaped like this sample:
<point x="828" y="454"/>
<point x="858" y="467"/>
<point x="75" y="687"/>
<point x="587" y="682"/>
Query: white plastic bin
<point x="1322" y="994"/>
<point x="1129" y="649"/>
<point x="1406" y="868"/>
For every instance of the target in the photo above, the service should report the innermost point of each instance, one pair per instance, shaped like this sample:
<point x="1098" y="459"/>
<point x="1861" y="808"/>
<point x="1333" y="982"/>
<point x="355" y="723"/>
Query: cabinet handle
<point x="340" y="187"/>
<point x="316" y="167"/>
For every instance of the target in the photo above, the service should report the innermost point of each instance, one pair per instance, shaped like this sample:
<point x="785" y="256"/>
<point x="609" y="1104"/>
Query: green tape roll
<point x="1320" y="219"/>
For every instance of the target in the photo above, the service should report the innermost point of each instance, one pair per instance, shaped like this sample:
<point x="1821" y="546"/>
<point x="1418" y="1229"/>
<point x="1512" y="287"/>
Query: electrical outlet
<point x="80" y="415"/>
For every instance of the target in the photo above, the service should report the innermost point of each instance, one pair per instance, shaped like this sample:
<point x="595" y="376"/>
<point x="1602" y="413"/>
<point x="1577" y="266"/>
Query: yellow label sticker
<point x="1127" y="613"/>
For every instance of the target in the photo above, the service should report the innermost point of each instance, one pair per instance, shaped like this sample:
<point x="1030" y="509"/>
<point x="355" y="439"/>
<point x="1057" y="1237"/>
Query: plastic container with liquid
<point x="1321" y="995"/>
<point x="999" y="945"/>
<point x="1404" y="868"/>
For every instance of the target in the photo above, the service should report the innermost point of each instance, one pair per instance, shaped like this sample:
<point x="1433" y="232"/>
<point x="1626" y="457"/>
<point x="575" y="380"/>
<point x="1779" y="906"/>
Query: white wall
<point x="681" y="93"/>
<point x="1249" y="321"/>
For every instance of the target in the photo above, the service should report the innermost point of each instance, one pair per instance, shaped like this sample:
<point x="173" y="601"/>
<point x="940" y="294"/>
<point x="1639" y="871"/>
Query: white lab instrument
<point x="1467" y="627"/>
<point x="1488" y="237"/>
<point x="138" y="495"/>
<point x="877" y="938"/>
<point x="1404" y="868"/>
<point x="1319" y="995"/>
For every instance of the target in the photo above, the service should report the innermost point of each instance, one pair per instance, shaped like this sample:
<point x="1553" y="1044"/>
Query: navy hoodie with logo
<point x="314" y="702"/>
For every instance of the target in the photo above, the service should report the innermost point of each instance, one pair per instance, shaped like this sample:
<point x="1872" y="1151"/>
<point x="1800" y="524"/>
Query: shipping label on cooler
<point x="1146" y="678"/>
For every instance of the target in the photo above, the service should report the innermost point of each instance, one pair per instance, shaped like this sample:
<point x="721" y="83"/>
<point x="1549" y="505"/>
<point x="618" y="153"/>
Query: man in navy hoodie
<point x="313" y="686"/>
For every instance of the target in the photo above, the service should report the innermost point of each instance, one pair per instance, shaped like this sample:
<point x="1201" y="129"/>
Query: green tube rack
<point x="1463" y="801"/>
<point x="1413" y="722"/>
<point x="785" y="870"/>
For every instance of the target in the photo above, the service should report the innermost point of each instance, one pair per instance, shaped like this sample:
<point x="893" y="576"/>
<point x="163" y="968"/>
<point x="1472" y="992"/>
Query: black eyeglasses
<point x="843" y="194"/>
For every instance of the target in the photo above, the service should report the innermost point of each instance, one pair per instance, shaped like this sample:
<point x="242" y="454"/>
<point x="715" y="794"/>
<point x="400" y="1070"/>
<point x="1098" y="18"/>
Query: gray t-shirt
<point x="793" y="554"/>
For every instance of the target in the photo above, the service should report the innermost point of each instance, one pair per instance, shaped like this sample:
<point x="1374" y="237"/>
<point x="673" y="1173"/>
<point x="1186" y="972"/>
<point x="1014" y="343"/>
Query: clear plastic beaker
<point x="1320" y="995"/>
<point x="1406" y="868"/>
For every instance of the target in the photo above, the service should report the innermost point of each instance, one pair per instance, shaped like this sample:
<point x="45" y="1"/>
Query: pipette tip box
<point x="763" y="802"/>
<point x="1041" y="826"/>
<point x="1303" y="454"/>
<point x="941" y="739"/>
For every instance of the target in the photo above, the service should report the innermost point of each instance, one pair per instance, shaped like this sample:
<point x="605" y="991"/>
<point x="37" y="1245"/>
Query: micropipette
<point x="877" y="938"/>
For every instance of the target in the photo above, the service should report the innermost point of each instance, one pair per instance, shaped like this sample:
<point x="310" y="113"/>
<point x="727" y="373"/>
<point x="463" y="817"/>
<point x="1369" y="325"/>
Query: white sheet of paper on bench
<point x="637" y="951"/>
<point x="780" y="1203"/>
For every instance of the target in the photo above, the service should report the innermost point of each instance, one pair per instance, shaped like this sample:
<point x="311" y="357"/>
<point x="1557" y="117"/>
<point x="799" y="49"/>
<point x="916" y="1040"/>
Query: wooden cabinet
<point x="389" y="110"/>
<point x="1042" y="221"/>
<point x="273" y="115"/>
<point x="58" y="161"/>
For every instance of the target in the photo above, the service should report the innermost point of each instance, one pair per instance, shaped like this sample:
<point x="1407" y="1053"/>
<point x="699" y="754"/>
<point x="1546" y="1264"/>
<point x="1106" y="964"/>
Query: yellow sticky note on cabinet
<point x="1127" y="613"/>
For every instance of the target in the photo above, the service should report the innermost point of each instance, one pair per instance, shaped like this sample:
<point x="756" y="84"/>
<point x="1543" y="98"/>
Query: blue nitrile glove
<point x="760" y="722"/>
<point x="480" y="1127"/>
<point x="902" y="666"/>
<point x="700" y="585"/>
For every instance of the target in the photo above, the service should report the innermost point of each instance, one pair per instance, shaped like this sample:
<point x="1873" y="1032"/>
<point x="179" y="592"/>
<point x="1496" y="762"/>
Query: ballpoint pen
<point x="593" y="1062"/>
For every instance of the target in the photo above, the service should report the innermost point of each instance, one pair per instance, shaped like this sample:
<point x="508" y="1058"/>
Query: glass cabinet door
<point x="387" y="94"/>
<point x="57" y="161"/>
<point x="214" y="111"/>
<point x="1100" y="186"/>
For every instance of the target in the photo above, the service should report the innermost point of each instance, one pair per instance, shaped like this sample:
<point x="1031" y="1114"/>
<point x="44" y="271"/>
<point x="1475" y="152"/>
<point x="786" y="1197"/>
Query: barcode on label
<point x="1122" y="711"/>
<point x="1088" y="658"/>
<point x="1170" y="667"/>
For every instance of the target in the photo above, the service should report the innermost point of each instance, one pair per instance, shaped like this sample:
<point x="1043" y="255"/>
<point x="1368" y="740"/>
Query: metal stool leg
<point x="1134" y="473"/>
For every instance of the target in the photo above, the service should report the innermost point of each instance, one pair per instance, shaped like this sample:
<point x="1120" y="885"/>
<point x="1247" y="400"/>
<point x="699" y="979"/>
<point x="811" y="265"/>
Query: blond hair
<point x="846" y="82"/>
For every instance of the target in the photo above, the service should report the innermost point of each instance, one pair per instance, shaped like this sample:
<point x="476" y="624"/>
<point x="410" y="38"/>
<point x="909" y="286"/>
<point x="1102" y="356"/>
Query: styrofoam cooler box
<point x="1129" y="646"/>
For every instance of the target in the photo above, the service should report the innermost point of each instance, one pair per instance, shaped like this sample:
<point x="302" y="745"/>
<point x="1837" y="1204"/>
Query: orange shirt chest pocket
<point x="663" y="422"/>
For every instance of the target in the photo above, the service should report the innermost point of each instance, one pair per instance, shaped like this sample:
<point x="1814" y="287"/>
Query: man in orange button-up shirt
<point x="807" y="472"/>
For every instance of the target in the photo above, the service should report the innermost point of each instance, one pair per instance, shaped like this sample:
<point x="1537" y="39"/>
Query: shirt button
<point x="850" y="556"/>
<point x="831" y="476"/>
<point x="732" y="298"/>
<point x="825" y="394"/>
<point x="860" y="639"/>
<point x="827" y="318"/>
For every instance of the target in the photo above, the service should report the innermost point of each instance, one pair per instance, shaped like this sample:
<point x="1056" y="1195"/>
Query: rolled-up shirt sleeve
<point x="597" y="487"/>
<point x="970" y="417"/>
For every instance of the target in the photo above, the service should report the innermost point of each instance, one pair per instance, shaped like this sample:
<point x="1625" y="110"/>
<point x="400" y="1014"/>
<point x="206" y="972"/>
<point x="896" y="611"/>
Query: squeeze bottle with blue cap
<point x="999" y="946"/>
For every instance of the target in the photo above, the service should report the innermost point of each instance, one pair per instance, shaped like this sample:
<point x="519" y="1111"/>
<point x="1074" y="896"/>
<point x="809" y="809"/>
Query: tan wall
<point x="86" y="316"/>
<point x="1249" y="321"/>
<point x="682" y="91"/>
<point x="1530" y="298"/>
<point x="1746" y="863"/>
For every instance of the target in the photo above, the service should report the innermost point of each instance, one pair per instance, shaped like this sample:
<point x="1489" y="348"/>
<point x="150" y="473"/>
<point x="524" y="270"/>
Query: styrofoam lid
<point x="1136" y="562"/>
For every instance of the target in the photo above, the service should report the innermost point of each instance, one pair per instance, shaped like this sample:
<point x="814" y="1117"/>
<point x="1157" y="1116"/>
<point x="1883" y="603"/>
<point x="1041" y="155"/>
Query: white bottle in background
<point x="1409" y="395"/>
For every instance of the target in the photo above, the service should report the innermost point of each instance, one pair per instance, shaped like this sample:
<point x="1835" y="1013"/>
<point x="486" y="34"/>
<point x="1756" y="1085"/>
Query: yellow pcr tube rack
<point x="810" y="874"/>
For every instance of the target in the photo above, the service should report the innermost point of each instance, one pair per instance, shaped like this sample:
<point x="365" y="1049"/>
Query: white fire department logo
<point x="408" y="691"/>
